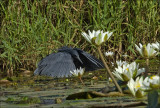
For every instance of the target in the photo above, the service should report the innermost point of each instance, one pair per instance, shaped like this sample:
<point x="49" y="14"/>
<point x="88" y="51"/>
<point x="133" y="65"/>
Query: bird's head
<point x="75" y="55"/>
<point x="71" y="51"/>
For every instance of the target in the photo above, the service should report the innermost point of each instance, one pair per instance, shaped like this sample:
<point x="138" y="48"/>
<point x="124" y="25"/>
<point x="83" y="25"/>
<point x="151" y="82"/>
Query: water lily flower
<point x="151" y="83"/>
<point x="78" y="72"/>
<point x="109" y="53"/>
<point x="120" y="63"/>
<point x="156" y="46"/>
<point x="128" y="71"/>
<point x="154" y="82"/>
<point x="146" y="82"/>
<point x="135" y="87"/>
<point x="122" y="71"/>
<point x="97" y="37"/>
<point x="134" y="68"/>
<point x="146" y="51"/>
<point x="112" y="63"/>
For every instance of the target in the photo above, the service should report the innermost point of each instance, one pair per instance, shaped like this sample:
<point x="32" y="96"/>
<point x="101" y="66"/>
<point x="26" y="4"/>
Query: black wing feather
<point x="89" y="62"/>
<point x="56" y="65"/>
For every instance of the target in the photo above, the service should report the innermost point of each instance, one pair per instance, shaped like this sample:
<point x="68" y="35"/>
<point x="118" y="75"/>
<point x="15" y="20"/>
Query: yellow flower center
<point x="152" y="77"/>
<point x="138" y="85"/>
<point x="127" y="69"/>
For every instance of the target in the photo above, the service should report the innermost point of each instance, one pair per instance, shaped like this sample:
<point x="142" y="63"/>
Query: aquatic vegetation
<point x="32" y="29"/>
<point x="78" y="73"/>
<point x="153" y="82"/>
<point x="109" y="53"/>
<point x="128" y="71"/>
<point x="97" y="37"/>
<point x="92" y="94"/>
<point x="29" y="100"/>
<point x="153" y="99"/>
<point x="140" y="87"/>
<point x="120" y="63"/>
<point x="135" y="87"/>
<point x="146" y="51"/>
<point x="156" y="46"/>
<point x="39" y="30"/>
<point x="23" y="100"/>
<point x="10" y="99"/>
<point x="149" y="85"/>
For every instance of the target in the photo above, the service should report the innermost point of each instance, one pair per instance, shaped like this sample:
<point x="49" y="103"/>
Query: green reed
<point x="30" y="29"/>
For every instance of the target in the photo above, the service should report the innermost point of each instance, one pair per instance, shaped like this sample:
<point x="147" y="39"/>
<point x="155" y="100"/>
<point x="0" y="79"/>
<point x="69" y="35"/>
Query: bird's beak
<point x="79" y="59"/>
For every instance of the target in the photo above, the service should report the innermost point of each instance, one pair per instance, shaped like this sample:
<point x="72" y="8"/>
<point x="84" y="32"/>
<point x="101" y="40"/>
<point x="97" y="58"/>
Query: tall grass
<point x="32" y="29"/>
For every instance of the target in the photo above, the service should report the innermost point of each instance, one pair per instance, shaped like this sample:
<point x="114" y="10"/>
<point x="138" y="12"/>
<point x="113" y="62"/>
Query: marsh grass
<point x="32" y="29"/>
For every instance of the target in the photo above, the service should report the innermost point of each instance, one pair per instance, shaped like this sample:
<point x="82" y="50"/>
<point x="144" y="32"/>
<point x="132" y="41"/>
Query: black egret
<point x="65" y="60"/>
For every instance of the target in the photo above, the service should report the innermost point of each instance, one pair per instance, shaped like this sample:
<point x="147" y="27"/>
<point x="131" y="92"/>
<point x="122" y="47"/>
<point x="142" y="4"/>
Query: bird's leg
<point x="108" y="70"/>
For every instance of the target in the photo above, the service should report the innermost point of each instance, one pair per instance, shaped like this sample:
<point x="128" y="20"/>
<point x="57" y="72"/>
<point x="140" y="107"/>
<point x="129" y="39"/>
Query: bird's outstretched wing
<point x="56" y="65"/>
<point x="89" y="62"/>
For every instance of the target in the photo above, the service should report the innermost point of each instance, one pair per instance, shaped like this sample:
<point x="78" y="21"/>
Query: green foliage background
<point x="31" y="29"/>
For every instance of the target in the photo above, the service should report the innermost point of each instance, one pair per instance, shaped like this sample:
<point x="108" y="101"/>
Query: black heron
<point x="65" y="60"/>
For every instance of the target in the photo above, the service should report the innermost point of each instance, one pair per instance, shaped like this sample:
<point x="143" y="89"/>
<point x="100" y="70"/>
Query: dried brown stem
<point x="147" y="67"/>
<point x="81" y="81"/>
<point x="108" y="70"/>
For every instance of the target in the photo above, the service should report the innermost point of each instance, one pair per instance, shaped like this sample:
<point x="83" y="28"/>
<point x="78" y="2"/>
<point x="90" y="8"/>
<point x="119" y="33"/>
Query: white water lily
<point x="146" y="82"/>
<point x="156" y="46"/>
<point x="146" y="85"/>
<point x="97" y="37"/>
<point x="151" y="83"/>
<point x="112" y="63"/>
<point x="135" y="87"/>
<point x="154" y="81"/>
<point x="146" y="51"/>
<point x="122" y="71"/>
<point x="78" y="72"/>
<point x="109" y="53"/>
<point x="139" y="87"/>
<point x="120" y="63"/>
<point x="134" y="68"/>
<point x="128" y="71"/>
